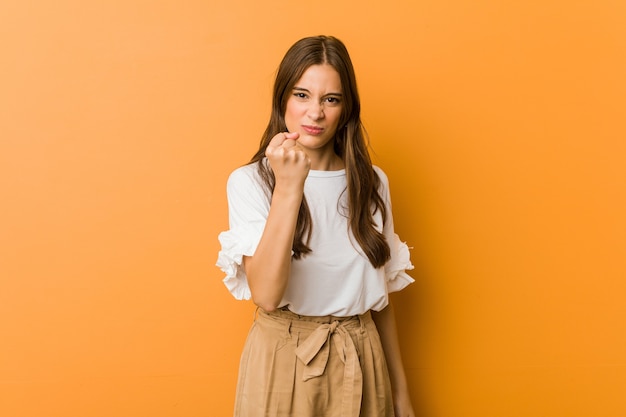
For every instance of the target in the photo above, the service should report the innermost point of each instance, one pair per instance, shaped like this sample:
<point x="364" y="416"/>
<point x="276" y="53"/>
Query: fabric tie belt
<point x="314" y="352"/>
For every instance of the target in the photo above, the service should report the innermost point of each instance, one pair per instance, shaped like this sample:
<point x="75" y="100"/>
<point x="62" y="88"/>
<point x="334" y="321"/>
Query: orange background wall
<point x="500" y="124"/>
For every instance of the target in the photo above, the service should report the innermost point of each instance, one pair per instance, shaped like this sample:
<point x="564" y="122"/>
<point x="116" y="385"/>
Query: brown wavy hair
<point x="363" y="183"/>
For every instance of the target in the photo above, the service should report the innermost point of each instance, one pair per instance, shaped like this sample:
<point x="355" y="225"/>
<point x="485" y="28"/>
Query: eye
<point x="300" y="95"/>
<point x="333" y="100"/>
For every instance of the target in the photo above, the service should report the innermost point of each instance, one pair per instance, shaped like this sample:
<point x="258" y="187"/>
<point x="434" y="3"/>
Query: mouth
<point x="312" y="130"/>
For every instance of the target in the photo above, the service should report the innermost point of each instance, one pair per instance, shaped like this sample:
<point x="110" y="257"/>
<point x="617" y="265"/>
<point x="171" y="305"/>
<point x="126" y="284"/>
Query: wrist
<point x="289" y="192"/>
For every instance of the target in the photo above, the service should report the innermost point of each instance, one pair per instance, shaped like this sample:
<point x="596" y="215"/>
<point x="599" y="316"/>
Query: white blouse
<point x="336" y="278"/>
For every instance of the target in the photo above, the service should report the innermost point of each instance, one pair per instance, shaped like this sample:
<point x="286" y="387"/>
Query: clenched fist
<point x="288" y="161"/>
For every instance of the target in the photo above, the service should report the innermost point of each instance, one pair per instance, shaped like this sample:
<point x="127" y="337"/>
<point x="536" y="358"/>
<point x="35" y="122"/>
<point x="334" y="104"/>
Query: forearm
<point x="268" y="270"/>
<point x="386" y="324"/>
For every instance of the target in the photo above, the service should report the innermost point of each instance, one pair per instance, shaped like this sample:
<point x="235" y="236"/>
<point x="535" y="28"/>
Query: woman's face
<point x="314" y="108"/>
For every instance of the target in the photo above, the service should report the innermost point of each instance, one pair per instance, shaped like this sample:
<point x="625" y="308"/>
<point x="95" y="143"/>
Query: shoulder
<point x="381" y="174"/>
<point x="246" y="183"/>
<point x="383" y="187"/>
<point x="246" y="174"/>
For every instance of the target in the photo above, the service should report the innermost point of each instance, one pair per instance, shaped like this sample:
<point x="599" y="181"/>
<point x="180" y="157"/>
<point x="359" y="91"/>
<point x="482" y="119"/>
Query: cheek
<point x="290" y="112"/>
<point x="336" y="116"/>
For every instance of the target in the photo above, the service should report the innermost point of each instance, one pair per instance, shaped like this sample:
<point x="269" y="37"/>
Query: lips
<point x="312" y="130"/>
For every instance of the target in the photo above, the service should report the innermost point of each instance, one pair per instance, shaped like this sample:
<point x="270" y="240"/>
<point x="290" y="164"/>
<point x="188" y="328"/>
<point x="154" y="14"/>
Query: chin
<point x="313" y="142"/>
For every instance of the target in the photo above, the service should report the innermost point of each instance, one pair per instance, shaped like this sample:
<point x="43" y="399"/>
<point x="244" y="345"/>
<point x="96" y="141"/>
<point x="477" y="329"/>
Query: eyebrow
<point x="307" y="91"/>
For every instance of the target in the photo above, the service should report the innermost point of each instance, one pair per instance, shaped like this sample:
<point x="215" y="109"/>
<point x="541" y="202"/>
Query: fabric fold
<point x="400" y="262"/>
<point x="236" y="245"/>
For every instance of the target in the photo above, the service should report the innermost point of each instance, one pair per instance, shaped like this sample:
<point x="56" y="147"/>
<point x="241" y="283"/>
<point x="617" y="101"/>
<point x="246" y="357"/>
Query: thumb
<point x="279" y="138"/>
<point x="292" y="135"/>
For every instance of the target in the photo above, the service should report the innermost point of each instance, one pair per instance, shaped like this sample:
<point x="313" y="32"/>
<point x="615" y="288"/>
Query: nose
<point x="316" y="111"/>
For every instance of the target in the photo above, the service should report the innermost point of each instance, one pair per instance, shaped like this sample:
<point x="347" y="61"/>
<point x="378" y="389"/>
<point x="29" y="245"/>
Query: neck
<point x="325" y="158"/>
<point x="331" y="162"/>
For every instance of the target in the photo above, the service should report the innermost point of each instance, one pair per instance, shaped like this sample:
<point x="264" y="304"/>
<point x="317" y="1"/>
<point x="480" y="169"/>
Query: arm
<point x="386" y="324"/>
<point x="268" y="269"/>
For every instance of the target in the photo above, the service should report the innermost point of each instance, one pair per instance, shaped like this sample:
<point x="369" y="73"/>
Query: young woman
<point x="311" y="241"/>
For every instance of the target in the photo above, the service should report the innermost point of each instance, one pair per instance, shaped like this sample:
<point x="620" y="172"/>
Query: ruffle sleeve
<point x="396" y="267"/>
<point x="235" y="245"/>
<point x="400" y="261"/>
<point x="248" y="207"/>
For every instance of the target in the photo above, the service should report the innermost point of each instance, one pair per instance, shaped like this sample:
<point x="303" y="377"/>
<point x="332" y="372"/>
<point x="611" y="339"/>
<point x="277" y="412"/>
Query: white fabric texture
<point x="336" y="278"/>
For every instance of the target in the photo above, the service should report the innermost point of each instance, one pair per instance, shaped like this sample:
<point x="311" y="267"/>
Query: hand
<point x="288" y="160"/>
<point x="402" y="406"/>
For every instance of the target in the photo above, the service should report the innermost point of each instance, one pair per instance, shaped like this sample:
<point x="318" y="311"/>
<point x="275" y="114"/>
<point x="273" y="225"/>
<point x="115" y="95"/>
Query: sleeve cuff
<point x="400" y="262"/>
<point x="230" y="260"/>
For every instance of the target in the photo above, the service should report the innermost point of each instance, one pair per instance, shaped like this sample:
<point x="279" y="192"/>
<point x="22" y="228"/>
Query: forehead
<point x="320" y="77"/>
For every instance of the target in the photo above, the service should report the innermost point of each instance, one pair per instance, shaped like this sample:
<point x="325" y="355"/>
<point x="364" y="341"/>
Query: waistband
<point x="284" y="315"/>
